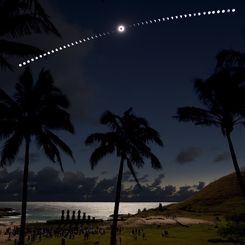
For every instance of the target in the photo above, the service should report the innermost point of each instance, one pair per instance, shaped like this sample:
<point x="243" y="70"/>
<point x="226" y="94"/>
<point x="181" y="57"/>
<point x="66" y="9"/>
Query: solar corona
<point x="122" y="28"/>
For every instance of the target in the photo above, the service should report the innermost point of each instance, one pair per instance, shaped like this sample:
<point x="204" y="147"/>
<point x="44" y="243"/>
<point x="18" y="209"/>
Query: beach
<point x="4" y="234"/>
<point x="133" y="222"/>
<point x="163" y="220"/>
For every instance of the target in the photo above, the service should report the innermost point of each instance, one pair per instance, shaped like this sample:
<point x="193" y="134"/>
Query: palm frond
<point x="55" y="118"/>
<point x="196" y="115"/>
<point x="103" y="138"/>
<point x="46" y="21"/>
<point x="7" y="128"/>
<point x="22" y="19"/>
<point x="47" y="92"/>
<point x="60" y="143"/>
<point x="10" y="149"/>
<point x="135" y="156"/>
<point x="100" y="153"/>
<point x="18" y="49"/>
<point x="205" y="92"/>
<point x="4" y="64"/>
<point x="131" y="169"/>
<point x="23" y="24"/>
<point x="95" y="138"/>
<point x="155" y="163"/>
<point x="49" y="148"/>
<point x="24" y="89"/>
<point x="129" y="117"/>
<point x="110" y="119"/>
<point x="150" y="135"/>
<point x="6" y="99"/>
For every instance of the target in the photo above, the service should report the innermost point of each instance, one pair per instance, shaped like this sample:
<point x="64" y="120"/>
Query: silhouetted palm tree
<point x="36" y="109"/>
<point x="128" y="137"/>
<point x="19" y="18"/>
<point x="223" y="97"/>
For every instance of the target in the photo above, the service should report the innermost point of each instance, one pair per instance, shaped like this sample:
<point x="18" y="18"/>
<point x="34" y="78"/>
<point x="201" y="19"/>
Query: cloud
<point x="157" y="182"/>
<point x="128" y="177"/>
<point x="222" y="157"/>
<point x="188" y="155"/>
<point x="200" y="185"/>
<point x="48" y="184"/>
<point x="184" y="192"/>
<point x="169" y="190"/>
<point x="144" y="179"/>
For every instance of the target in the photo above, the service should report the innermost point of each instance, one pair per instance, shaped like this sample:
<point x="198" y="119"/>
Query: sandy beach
<point x="162" y="220"/>
<point x="5" y="237"/>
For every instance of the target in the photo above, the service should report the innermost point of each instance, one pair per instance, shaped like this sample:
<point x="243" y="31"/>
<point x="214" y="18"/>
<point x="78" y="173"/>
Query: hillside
<point x="220" y="196"/>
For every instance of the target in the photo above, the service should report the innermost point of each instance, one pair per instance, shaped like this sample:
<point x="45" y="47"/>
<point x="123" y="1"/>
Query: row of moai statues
<point x="73" y="217"/>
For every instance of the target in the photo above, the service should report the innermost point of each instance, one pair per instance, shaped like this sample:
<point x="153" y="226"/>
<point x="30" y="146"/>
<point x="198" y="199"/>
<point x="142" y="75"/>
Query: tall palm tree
<point x="223" y="97"/>
<point x="19" y="18"/>
<point x="128" y="137"/>
<point x="36" y="109"/>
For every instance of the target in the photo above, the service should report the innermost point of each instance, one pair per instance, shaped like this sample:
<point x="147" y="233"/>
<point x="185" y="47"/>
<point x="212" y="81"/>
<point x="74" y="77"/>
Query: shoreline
<point x="42" y="211"/>
<point x="132" y="219"/>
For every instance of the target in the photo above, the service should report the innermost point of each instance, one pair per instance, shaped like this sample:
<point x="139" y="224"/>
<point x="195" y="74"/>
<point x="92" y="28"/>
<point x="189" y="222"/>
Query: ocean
<point x="42" y="211"/>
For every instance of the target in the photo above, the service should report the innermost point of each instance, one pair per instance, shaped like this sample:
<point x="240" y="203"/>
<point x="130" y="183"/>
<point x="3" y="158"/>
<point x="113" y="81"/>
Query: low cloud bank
<point x="49" y="184"/>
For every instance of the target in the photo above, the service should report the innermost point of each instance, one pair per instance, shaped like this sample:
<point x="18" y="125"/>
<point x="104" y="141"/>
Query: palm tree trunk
<point x="24" y="193"/>
<point x="116" y="207"/>
<point x="236" y="166"/>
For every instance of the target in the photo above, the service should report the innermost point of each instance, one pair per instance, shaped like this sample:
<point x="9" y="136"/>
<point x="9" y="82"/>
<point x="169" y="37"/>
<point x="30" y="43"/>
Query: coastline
<point x="42" y="211"/>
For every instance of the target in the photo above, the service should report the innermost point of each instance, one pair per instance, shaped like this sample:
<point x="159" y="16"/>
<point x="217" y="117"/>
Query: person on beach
<point x="63" y="241"/>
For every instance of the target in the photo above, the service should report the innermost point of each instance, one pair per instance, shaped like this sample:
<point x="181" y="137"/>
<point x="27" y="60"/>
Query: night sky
<point x="151" y="69"/>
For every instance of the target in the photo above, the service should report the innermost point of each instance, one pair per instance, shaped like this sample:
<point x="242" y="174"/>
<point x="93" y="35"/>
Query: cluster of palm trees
<point x="39" y="107"/>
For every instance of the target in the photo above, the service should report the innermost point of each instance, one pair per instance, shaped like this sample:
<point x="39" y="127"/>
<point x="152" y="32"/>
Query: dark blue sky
<point x="151" y="69"/>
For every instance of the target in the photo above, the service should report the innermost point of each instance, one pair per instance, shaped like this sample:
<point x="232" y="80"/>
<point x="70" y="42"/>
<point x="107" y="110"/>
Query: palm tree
<point x="36" y="109"/>
<point x="20" y="18"/>
<point x="128" y="137"/>
<point x="223" y="97"/>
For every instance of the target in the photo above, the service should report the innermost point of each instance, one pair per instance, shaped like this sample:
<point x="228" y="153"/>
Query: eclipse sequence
<point x="122" y="28"/>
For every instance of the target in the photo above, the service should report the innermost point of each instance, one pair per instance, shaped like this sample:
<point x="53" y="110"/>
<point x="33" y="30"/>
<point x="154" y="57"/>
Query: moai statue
<point x="73" y="215"/>
<point x="78" y="214"/>
<point x="68" y="214"/>
<point x="93" y="219"/>
<point x="89" y="217"/>
<point x="84" y="216"/>
<point x="62" y="214"/>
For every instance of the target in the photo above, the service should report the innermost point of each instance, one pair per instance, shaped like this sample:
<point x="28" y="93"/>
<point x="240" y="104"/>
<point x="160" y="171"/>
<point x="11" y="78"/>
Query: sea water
<point x="42" y="211"/>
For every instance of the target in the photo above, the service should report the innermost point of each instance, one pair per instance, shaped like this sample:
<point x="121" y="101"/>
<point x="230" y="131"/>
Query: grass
<point x="219" y="197"/>
<point x="193" y="235"/>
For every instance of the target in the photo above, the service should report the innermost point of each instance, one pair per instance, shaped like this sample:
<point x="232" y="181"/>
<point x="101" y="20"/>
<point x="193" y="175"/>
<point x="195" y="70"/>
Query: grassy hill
<point x="221" y="196"/>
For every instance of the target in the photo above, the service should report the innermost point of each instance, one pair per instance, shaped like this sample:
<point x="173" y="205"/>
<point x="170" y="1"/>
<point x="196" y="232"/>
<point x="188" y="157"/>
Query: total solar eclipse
<point x="122" y="28"/>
